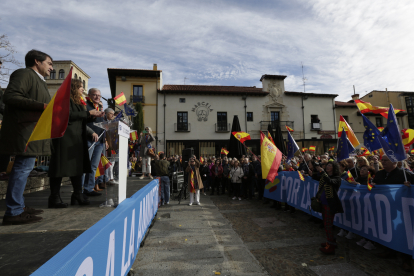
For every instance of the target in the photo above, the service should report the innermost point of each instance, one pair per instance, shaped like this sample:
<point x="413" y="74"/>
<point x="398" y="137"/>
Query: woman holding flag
<point x="70" y="156"/>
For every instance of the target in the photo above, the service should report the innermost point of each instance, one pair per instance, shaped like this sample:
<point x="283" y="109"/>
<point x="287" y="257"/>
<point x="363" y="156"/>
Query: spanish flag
<point x="224" y="151"/>
<point x="289" y="129"/>
<point x="270" y="138"/>
<point x="312" y="148"/>
<point x="331" y="149"/>
<point x="412" y="151"/>
<point x="365" y="107"/>
<point x="133" y="136"/>
<point x="370" y="186"/>
<point x="380" y="128"/>
<point x="349" y="132"/>
<point x="103" y="165"/>
<point x="365" y="153"/>
<point x="301" y="176"/>
<point x="201" y="159"/>
<point x="55" y="118"/>
<point x="349" y="178"/>
<point x="304" y="149"/>
<point x="408" y="137"/>
<point x="271" y="158"/>
<point x="120" y="99"/>
<point x="241" y="136"/>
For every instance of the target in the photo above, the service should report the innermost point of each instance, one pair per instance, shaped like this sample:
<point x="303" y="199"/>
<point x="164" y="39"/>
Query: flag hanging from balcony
<point x="348" y="130"/>
<point x="271" y="158"/>
<point x="120" y="99"/>
<point x="241" y="136"/>
<point x="365" y="107"/>
<point x="54" y="119"/>
<point x="133" y="136"/>
<point x="312" y="148"/>
<point x="289" y="129"/>
<point x="224" y="151"/>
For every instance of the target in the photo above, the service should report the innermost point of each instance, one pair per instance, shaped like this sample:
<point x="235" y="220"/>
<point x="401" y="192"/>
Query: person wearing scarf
<point x="194" y="180"/>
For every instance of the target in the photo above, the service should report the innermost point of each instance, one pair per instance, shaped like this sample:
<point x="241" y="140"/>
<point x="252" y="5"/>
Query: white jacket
<point x="236" y="175"/>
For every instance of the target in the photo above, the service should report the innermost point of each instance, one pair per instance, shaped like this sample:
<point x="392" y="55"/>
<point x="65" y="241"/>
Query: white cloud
<point x="341" y="43"/>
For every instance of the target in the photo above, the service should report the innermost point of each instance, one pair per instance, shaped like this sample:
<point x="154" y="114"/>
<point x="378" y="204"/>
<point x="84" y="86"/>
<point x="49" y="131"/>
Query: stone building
<point x="60" y="71"/>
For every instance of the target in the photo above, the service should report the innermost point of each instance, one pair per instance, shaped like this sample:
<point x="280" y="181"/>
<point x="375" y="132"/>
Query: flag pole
<point x="252" y="152"/>
<point x="98" y="139"/>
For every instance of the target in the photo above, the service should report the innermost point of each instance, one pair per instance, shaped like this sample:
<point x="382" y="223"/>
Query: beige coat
<point x="197" y="173"/>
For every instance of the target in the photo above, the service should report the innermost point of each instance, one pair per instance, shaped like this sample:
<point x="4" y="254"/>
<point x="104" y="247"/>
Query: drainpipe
<point x="303" y="119"/>
<point x="245" y="110"/>
<point x="156" y="109"/>
<point x="333" y="108"/>
<point x="165" y="145"/>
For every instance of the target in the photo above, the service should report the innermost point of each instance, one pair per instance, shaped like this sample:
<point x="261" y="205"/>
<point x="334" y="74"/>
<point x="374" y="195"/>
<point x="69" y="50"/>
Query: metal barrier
<point x="40" y="160"/>
<point x="178" y="186"/>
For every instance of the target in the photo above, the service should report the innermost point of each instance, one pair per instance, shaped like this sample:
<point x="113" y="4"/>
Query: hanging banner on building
<point x="110" y="246"/>
<point x="384" y="215"/>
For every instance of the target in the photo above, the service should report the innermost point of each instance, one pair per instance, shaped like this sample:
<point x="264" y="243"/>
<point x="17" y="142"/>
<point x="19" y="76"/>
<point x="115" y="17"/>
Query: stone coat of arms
<point x="202" y="111"/>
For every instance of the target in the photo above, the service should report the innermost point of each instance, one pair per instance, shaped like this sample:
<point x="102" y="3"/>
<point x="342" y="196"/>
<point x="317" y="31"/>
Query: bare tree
<point x="7" y="52"/>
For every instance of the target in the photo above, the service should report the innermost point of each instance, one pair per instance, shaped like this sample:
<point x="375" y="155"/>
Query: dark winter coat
<point x="144" y="148"/>
<point x="331" y="184"/>
<point x="96" y="129"/>
<point x="70" y="153"/>
<point x="219" y="172"/>
<point x="24" y="101"/>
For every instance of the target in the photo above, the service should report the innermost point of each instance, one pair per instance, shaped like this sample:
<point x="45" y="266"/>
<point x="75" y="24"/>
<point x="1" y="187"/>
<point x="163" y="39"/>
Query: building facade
<point x="138" y="86"/>
<point x="60" y="71"/>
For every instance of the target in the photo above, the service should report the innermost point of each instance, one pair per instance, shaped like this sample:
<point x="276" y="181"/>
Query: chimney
<point x="154" y="67"/>
<point x="355" y="97"/>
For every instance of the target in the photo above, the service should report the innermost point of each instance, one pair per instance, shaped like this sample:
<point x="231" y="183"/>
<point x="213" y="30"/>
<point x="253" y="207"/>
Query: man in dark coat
<point x="93" y="99"/>
<point x="25" y="99"/>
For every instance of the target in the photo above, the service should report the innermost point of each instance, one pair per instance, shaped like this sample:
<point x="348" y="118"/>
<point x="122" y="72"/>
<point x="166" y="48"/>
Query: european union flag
<point x="344" y="147"/>
<point x="128" y="110"/>
<point x="392" y="144"/>
<point x="370" y="135"/>
<point x="292" y="147"/>
<point x="118" y="117"/>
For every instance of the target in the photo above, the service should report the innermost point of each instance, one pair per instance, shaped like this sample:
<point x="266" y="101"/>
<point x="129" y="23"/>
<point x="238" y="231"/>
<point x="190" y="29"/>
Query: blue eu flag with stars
<point x="344" y="147"/>
<point x="292" y="147"/>
<point x="128" y="110"/>
<point x="370" y="135"/>
<point x="392" y="144"/>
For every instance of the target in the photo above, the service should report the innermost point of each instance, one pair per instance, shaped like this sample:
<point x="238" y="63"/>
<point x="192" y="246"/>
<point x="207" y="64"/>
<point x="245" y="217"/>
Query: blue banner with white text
<point x="384" y="215"/>
<point x="110" y="246"/>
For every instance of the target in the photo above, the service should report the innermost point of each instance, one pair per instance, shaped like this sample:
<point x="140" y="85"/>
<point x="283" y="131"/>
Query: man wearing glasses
<point x="93" y="99"/>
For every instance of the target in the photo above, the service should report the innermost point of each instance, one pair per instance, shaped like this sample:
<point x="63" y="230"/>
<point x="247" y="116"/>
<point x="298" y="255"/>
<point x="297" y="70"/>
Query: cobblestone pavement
<point x="287" y="244"/>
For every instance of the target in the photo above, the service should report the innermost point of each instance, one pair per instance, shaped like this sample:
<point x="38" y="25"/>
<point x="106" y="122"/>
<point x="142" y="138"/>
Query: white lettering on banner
<point x="387" y="237"/>
<point x="86" y="268"/>
<point x="356" y="216"/>
<point x="408" y="222"/>
<point x="140" y="227"/>
<point x="110" y="261"/>
<point x="131" y="254"/>
<point x="295" y="190"/>
<point x="289" y="181"/>
<point x="282" y="186"/>
<point x="344" y="221"/>
<point x="368" y="213"/>
<point x="124" y="265"/>
<point x="304" y="196"/>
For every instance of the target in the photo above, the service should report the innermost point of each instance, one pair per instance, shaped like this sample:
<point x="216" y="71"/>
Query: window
<point x="137" y="94"/>
<point x="346" y="118"/>
<point x="274" y="118"/>
<point x="182" y="121"/>
<point x="53" y="75"/>
<point x="84" y="85"/>
<point x="409" y="101"/>
<point x="378" y="121"/>
<point x="222" y="121"/>
<point x="370" y="96"/>
<point x="250" y="116"/>
<point x="315" y="122"/>
<point x="182" y="100"/>
<point x="76" y="76"/>
<point x="80" y="78"/>
<point x="61" y="74"/>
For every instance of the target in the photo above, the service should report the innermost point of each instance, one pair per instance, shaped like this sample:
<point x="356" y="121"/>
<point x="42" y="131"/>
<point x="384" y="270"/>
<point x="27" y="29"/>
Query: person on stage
<point x="70" y="156"/>
<point x="145" y="139"/>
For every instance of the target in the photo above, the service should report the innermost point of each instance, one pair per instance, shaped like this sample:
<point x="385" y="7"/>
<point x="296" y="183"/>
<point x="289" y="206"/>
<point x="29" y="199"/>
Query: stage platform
<point x="24" y="248"/>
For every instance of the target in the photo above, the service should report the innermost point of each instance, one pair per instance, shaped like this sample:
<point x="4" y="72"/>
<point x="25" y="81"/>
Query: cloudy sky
<point x="340" y="43"/>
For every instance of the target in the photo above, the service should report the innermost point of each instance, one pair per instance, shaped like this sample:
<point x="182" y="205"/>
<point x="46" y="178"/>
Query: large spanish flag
<point x="365" y="107"/>
<point x="120" y="99"/>
<point x="270" y="138"/>
<point x="133" y="135"/>
<point x="55" y="118"/>
<point x="349" y="132"/>
<point x="271" y="158"/>
<point x="103" y="165"/>
<point x="241" y="136"/>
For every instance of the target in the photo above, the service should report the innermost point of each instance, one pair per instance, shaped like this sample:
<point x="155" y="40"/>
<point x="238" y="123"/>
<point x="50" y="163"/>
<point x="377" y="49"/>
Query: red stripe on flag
<point x="61" y="106"/>
<point x="275" y="166"/>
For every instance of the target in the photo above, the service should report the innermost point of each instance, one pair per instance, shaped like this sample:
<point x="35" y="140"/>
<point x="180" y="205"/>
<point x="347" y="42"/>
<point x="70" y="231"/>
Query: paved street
<point x="248" y="238"/>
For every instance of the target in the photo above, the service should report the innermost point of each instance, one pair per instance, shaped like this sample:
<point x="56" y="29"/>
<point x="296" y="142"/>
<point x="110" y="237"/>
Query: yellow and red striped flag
<point x="201" y="159"/>
<point x="55" y="118"/>
<point x="380" y="128"/>
<point x="103" y="165"/>
<point x="412" y="151"/>
<point x="289" y="129"/>
<point x="301" y="176"/>
<point x="349" y="178"/>
<point x="270" y="138"/>
<point x="133" y="135"/>
<point x="241" y="136"/>
<point x="192" y="190"/>
<point x="408" y="137"/>
<point x="331" y="149"/>
<point x="312" y="148"/>
<point x="365" y="107"/>
<point x="348" y="130"/>
<point x="304" y="149"/>
<point x="120" y="99"/>
<point x="271" y="158"/>
<point x="370" y="186"/>
<point x="224" y="151"/>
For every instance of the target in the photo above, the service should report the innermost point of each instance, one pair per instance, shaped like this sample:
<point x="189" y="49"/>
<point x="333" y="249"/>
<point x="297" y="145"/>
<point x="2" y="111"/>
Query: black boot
<point x="78" y="197"/>
<point x="56" y="202"/>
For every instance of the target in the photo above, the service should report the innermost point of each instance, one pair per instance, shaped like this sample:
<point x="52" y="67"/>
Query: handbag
<point x="316" y="205"/>
<point x="151" y="153"/>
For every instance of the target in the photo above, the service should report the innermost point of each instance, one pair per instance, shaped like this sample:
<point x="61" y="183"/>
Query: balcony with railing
<point x="282" y="124"/>
<point x="222" y="127"/>
<point x="182" y="127"/>
<point x="137" y="99"/>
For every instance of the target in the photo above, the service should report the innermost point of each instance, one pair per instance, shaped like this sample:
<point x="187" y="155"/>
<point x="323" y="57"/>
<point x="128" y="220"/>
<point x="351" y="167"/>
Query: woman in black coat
<point x="70" y="156"/>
